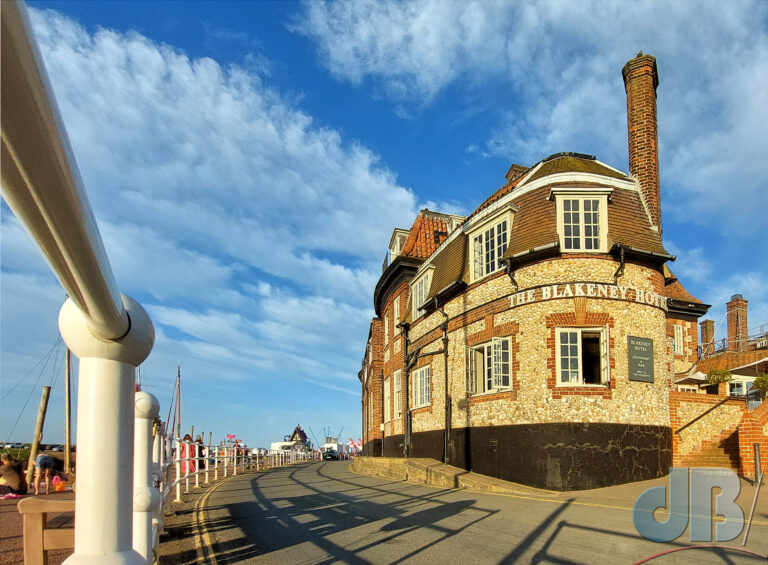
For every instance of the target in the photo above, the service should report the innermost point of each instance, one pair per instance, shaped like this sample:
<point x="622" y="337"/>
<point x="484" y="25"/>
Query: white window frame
<point x="398" y="377"/>
<point x="485" y="366"/>
<point x="396" y="315"/>
<point x="421" y="387"/>
<point x="420" y="292"/>
<point x="678" y="344"/>
<point x="563" y="194"/>
<point x="687" y="388"/>
<point x="387" y="411"/>
<point x="485" y="255"/>
<point x="577" y="371"/>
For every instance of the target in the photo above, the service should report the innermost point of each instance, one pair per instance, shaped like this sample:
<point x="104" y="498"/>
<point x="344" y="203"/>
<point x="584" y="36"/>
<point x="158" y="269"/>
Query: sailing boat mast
<point x="178" y="400"/>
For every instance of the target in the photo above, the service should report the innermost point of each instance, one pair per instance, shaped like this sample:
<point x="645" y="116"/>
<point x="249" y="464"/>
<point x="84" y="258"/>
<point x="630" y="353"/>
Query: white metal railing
<point x="179" y="467"/>
<point x="109" y="332"/>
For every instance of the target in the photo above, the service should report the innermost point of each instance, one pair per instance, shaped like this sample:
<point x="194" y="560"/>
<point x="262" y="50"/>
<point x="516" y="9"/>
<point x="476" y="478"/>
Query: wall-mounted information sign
<point x="640" y="355"/>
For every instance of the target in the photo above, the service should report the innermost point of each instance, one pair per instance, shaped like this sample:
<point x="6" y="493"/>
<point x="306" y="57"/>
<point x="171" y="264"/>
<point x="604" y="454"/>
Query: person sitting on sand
<point x="15" y="480"/>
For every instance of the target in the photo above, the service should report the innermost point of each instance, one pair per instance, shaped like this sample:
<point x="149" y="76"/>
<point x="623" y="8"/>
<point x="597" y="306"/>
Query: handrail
<point x="42" y="184"/>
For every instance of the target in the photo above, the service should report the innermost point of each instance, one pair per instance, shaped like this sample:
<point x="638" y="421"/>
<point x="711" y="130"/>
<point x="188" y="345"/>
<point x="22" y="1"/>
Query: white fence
<point x="165" y="468"/>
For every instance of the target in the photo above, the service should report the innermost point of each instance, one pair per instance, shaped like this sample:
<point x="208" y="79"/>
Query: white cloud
<point x="561" y="62"/>
<point x="245" y="229"/>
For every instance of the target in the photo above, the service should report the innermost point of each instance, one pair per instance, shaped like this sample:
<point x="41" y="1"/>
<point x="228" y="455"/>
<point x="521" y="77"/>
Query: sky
<point x="247" y="162"/>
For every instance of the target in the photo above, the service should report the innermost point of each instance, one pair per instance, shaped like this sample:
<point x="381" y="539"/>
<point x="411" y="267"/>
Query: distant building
<point x="744" y="355"/>
<point x="537" y="339"/>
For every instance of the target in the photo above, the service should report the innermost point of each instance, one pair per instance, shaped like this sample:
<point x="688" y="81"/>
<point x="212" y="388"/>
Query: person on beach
<point x="15" y="479"/>
<point x="43" y="466"/>
<point x="187" y="450"/>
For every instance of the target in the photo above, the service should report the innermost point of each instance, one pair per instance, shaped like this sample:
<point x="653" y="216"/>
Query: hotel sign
<point x="589" y="290"/>
<point x="640" y="356"/>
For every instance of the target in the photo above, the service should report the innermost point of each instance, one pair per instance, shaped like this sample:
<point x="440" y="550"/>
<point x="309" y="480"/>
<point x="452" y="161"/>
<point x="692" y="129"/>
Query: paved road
<point x="323" y="513"/>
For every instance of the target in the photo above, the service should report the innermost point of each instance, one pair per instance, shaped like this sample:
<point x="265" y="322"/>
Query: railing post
<point x="178" y="443"/>
<point x="145" y="497"/>
<point x="207" y="451"/>
<point x="105" y="411"/>
<point x="216" y="465"/>
<point x="197" y="464"/>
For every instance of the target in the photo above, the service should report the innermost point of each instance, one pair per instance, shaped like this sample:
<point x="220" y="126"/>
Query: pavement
<point x="11" y="540"/>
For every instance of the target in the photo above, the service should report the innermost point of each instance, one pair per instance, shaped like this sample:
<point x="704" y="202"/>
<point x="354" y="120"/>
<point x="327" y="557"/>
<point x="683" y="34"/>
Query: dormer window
<point x="397" y="241"/>
<point x="582" y="219"/>
<point x="489" y="241"/>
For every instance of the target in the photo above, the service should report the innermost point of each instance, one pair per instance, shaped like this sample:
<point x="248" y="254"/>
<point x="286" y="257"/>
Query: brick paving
<point x="11" y="541"/>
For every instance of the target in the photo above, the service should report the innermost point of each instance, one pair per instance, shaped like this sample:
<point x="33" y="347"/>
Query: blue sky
<point x="247" y="162"/>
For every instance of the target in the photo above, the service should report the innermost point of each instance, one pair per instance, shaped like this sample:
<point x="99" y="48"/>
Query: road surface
<point x="324" y="513"/>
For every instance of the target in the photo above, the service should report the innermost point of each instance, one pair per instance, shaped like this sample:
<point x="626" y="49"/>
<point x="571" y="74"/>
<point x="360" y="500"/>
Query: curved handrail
<point x="42" y="184"/>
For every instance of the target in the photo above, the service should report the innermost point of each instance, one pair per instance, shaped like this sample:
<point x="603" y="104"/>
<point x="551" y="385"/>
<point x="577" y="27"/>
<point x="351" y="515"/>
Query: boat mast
<point x="178" y="401"/>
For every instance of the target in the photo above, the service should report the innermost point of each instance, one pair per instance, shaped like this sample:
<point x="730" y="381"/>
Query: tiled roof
<point x="450" y="265"/>
<point x="534" y="224"/>
<point x="629" y="224"/>
<point x="571" y="164"/>
<point x="676" y="290"/>
<point x="731" y="360"/>
<point x="427" y="233"/>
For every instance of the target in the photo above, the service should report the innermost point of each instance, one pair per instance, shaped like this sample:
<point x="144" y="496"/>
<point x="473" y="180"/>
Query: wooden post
<point x="67" y="413"/>
<point x="38" y="433"/>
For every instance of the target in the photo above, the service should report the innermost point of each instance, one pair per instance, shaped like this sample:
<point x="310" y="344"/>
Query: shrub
<point x="761" y="384"/>
<point x="717" y="376"/>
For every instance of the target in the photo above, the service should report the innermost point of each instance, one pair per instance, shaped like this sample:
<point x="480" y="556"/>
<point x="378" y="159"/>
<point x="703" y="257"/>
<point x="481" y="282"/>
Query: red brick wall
<point x="707" y="337"/>
<point x="751" y="433"/>
<point x="640" y="81"/>
<point x="737" y="323"/>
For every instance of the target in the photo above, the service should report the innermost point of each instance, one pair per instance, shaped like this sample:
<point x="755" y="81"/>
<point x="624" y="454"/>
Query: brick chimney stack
<point x="707" y="338"/>
<point x="640" y="81"/>
<point x="737" y="323"/>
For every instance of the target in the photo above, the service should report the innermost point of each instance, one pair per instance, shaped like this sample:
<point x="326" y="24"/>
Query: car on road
<point x="330" y="455"/>
<point x="57" y="448"/>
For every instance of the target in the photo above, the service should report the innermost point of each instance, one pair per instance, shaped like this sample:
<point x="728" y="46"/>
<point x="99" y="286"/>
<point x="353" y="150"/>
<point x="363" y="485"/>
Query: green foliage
<point x="717" y="376"/>
<point x="761" y="384"/>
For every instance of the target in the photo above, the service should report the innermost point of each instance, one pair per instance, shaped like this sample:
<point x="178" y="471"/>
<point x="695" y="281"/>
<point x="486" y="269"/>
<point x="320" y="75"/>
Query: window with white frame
<point x="582" y="222"/>
<point x="387" y="411"/>
<point x="583" y="356"/>
<point x="398" y="394"/>
<point x="488" y="247"/>
<point x="421" y="389"/>
<point x="386" y="329"/>
<point x="677" y="344"/>
<point x="489" y="366"/>
<point x="419" y="292"/>
<point x="396" y="315"/>
<point x="687" y="388"/>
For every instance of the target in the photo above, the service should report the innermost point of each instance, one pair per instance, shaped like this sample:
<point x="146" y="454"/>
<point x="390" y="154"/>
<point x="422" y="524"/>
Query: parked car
<point x="330" y="455"/>
<point x="18" y="446"/>
<point x="57" y="448"/>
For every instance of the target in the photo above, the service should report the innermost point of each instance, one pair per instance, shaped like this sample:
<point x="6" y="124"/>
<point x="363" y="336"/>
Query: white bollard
<point x="105" y="417"/>
<point x="145" y="497"/>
